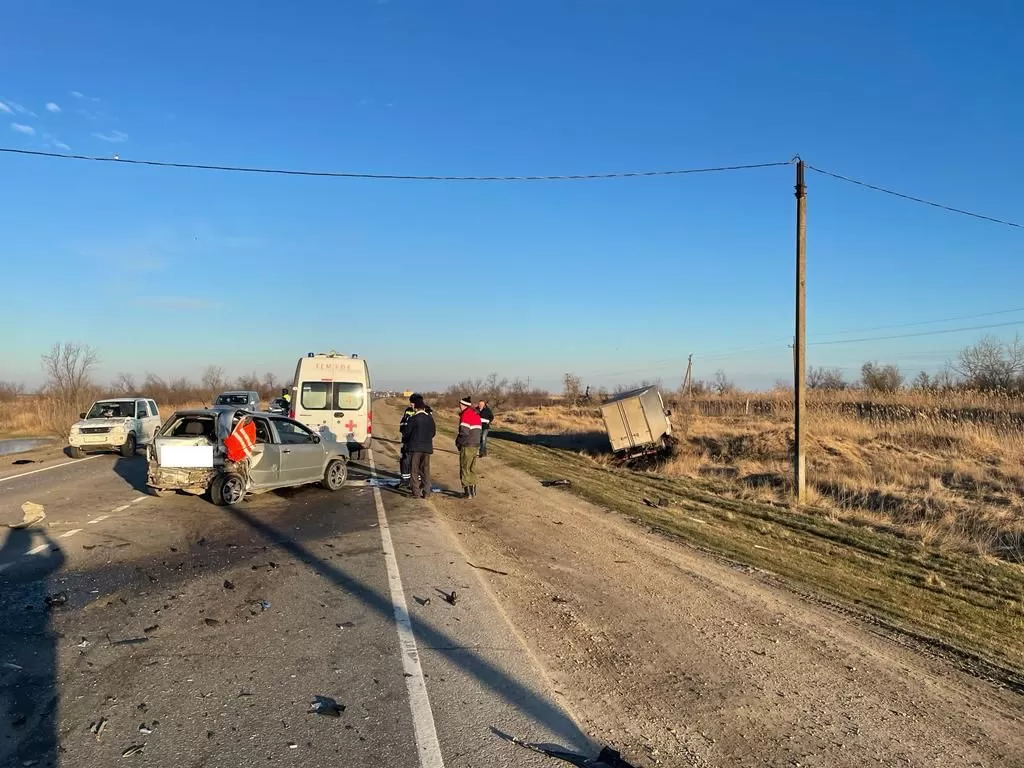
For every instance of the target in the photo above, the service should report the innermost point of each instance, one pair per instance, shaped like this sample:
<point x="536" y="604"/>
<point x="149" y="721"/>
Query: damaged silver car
<point x="193" y="453"/>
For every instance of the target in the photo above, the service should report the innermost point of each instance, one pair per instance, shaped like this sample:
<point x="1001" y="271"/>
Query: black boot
<point x="472" y="491"/>
<point x="465" y="492"/>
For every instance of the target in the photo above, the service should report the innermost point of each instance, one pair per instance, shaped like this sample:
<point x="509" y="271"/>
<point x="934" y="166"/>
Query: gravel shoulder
<point x="677" y="658"/>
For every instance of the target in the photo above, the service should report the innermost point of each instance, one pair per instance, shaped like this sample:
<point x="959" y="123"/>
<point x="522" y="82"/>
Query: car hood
<point x="116" y="422"/>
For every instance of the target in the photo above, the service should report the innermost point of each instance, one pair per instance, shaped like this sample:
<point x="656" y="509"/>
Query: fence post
<point x="800" y="342"/>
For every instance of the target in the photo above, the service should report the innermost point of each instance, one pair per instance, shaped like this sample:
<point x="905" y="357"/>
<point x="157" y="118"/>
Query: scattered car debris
<point x="422" y="600"/>
<point x="607" y="758"/>
<point x="325" y="705"/>
<point x="211" y="622"/>
<point x="292" y="745"/>
<point x="32" y="513"/>
<point x="134" y="749"/>
<point x="145" y="730"/>
<point x="553" y="483"/>
<point x="449" y="598"/>
<point x="12" y="666"/>
<point x="346" y="625"/>
<point x="485" y="568"/>
<point x="97" y="727"/>
<point x="228" y="584"/>
<point x="56" y="600"/>
<point x="151" y="629"/>
<point x="242" y="693"/>
<point x="128" y="640"/>
<point x="656" y="503"/>
<point x="83" y="645"/>
<point x="558" y="599"/>
<point x="264" y="605"/>
<point x="382" y="482"/>
<point x="19" y="462"/>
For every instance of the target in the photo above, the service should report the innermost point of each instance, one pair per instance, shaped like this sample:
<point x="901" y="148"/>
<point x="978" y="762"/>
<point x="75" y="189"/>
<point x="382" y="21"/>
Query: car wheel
<point x="335" y="475"/>
<point x="128" y="449"/>
<point x="75" y="452"/>
<point x="158" y="492"/>
<point x="227" y="490"/>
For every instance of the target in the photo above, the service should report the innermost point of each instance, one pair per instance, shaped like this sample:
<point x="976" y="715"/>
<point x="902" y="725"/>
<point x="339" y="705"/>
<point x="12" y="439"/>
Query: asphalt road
<point x="202" y="634"/>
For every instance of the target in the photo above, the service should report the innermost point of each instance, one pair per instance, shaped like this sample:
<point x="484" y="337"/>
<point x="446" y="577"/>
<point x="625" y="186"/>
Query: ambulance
<point x="331" y="395"/>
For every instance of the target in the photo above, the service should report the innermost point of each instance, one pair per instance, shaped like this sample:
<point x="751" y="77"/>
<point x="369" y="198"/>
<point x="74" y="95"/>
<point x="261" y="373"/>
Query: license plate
<point x="97" y="439"/>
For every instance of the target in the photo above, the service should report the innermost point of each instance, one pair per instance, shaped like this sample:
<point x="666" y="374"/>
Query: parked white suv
<point x="119" y="423"/>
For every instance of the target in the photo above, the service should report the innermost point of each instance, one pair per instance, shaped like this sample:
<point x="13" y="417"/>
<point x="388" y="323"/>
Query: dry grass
<point x="930" y="478"/>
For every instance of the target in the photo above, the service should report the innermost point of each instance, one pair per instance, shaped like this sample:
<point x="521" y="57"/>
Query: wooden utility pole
<point x="800" y="342"/>
<point x="688" y="378"/>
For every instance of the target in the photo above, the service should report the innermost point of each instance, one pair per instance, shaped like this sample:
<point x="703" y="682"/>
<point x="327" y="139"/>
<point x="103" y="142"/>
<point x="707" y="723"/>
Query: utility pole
<point x="800" y="342"/>
<point x="688" y="378"/>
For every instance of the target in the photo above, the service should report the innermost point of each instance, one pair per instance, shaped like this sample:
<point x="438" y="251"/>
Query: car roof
<point x="119" y="399"/>
<point x="216" y="409"/>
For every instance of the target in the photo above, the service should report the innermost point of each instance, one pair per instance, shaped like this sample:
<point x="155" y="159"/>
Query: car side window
<point x="142" y="411"/>
<point x="262" y="432"/>
<point x="153" y="410"/>
<point x="292" y="433"/>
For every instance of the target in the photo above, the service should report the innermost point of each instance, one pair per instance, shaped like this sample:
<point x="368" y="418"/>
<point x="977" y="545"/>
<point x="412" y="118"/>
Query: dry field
<point x="944" y="469"/>
<point x="36" y="416"/>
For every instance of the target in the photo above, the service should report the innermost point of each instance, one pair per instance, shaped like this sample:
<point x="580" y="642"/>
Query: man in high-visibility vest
<point x="286" y="396"/>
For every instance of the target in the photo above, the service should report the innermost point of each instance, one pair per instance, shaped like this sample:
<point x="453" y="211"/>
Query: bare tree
<point x="248" y="382"/>
<point x="991" y="364"/>
<point x="124" y="384"/>
<point x="271" y="385"/>
<point x="880" y="378"/>
<point x="722" y="385"/>
<point x="572" y="389"/>
<point x="10" y="391"/>
<point x="212" y="379"/>
<point x="69" y="385"/>
<point x="825" y="378"/>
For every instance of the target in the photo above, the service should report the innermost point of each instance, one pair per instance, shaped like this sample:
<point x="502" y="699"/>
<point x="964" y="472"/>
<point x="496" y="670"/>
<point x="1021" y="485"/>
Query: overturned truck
<point x="638" y="424"/>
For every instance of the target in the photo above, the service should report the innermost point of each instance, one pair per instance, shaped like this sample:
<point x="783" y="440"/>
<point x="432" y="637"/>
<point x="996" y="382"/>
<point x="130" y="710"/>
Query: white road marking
<point x="37" y="550"/>
<point x="47" y="469"/>
<point x="122" y="508"/>
<point x="427" y="745"/>
<point x="101" y="518"/>
<point x="138" y="499"/>
<point x="69" y="534"/>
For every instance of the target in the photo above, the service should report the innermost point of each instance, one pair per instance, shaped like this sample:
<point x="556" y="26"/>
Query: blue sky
<point x="168" y="270"/>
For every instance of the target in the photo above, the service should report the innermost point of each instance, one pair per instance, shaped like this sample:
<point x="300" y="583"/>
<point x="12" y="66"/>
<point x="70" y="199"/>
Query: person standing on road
<point x="486" y="417"/>
<point x="420" y="431"/>
<point x="468" y="443"/>
<point x="404" y="459"/>
<point x="287" y="397"/>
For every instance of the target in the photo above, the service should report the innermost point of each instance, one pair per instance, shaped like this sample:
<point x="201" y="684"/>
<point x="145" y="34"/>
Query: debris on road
<point x="558" y="599"/>
<point x="381" y="482"/>
<point x="656" y="503"/>
<point x="128" y="640"/>
<point x="346" y="625"/>
<point x="325" y="705"/>
<point x="485" y="568"/>
<point x="422" y="600"/>
<point x="134" y="749"/>
<point x="264" y="605"/>
<point x="211" y="622"/>
<point x="553" y="483"/>
<point x="145" y="730"/>
<point x="228" y="584"/>
<point x="151" y="629"/>
<point x="12" y="666"/>
<point x="83" y="645"/>
<point x="56" y="600"/>
<point x="32" y="513"/>
<point x="450" y="599"/>
<point x="19" y="462"/>
<point x="607" y="758"/>
<point x="97" y="727"/>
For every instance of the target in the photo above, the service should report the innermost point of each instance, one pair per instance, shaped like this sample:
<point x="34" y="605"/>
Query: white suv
<point x="120" y="423"/>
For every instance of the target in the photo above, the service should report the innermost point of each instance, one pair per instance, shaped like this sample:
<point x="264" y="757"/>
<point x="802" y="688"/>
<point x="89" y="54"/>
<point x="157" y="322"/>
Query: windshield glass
<point x="191" y="425"/>
<point x="233" y="398"/>
<point x="112" y="409"/>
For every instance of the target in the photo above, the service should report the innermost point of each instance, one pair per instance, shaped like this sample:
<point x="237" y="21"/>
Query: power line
<point x="921" y="200"/>
<point x="919" y="333"/>
<point x="921" y="322"/>
<point x="390" y="176"/>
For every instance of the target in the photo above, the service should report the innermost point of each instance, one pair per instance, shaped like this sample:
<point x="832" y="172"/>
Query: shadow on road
<point x="28" y="653"/>
<point x="133" y="471"/>
<point x="535" y="706"/>
<point x="588" y="442"/>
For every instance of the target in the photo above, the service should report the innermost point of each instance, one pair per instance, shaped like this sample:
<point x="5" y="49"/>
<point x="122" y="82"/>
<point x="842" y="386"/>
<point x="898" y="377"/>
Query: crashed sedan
<point x="229" y="453"/>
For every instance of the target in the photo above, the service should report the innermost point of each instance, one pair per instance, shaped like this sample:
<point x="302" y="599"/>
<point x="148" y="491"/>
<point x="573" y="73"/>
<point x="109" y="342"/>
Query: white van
<point x="332" y="396"/>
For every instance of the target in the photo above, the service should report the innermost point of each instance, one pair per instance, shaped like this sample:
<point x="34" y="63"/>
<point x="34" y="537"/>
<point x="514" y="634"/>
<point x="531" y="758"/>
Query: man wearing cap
<point x="468" y="443"/>
<point x="486" y="417"/>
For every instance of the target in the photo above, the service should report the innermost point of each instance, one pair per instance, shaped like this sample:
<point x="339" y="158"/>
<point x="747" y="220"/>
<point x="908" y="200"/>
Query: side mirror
<point x="668" y="412"/>
<point x="316" y="438"/>
<point x="81" y="415"/>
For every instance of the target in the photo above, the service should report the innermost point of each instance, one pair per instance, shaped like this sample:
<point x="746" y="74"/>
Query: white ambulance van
<point x="331" y="394"/>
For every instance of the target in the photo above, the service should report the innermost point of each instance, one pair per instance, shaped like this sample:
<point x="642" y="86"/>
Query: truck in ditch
<point x="638" y="424"/>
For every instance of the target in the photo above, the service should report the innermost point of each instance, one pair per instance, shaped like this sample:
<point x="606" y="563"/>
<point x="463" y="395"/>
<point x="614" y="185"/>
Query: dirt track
<point x="687" y="661"/>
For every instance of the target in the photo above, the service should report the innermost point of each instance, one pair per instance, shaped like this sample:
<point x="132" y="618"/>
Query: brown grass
<point x="943" y="480"/>
<point x="39" y="416"/>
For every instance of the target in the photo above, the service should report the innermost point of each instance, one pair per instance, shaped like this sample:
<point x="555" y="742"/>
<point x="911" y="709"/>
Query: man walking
<point x="486" y="417"/>
<point x="468" y="443"/>
<point x="420" y="430"/>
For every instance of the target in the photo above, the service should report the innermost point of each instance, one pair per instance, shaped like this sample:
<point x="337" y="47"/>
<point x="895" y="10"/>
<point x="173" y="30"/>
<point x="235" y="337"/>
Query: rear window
<point x="191" y="426"/>
<point x="233" y="399"/>
<point x="332" y="395"/>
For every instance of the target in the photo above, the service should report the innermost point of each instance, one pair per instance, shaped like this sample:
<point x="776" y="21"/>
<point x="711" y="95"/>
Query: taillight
<point x="369" y="423"/>
<point x="291" y="414"/>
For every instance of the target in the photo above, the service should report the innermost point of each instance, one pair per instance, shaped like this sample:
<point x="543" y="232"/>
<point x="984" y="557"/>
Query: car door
<point x="265" y="466"/>
<point x="154" y="417"/>
<point x="144" y="428"/>
<point x="302" y="455"/>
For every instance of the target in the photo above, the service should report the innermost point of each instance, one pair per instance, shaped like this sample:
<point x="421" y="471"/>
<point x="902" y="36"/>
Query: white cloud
<point x="55" y="142"/>
<point x="28" y="130"/>
<point x="52" y="107"/>
<point x="83" y="97"/>
<point x="5" y="108"/>
<point x="21" y="110"/>
<point x="114" y="137"/>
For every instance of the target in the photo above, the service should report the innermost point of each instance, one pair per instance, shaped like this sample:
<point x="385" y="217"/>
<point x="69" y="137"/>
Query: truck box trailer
<point x="638" y="423"/>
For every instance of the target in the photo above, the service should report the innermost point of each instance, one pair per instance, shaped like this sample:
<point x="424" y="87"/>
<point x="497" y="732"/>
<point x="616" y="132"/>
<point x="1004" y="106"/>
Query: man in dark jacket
<point x="419" y="431"/>
<point x="486" y="417"/>
<point x="468" y="443"/>
<point x="404" y="459"/>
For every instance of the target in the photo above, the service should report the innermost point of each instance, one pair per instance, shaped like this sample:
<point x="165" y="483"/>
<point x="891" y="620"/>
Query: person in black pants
<point x="486" y="417"/>
<point x="419" y="438"/>
<point x="404" y="459"/>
